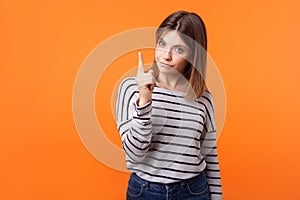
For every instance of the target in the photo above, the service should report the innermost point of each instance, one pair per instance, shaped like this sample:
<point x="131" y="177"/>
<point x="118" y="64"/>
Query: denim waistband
<point x="169" y="185"/>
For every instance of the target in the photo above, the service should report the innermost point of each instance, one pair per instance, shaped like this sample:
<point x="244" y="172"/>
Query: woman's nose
<point x="167" y="55"/>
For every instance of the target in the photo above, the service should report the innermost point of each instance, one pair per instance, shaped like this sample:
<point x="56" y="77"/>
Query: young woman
<point x="166" y="118"/>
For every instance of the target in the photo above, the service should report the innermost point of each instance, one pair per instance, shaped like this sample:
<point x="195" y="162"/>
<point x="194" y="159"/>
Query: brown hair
<point x="192" y="31"/>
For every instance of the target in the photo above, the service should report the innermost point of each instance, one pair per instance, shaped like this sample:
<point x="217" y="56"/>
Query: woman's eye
<point x="178" y="50"/>
<point x="161" y="44"/>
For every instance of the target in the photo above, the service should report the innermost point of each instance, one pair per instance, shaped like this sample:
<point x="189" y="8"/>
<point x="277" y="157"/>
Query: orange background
<point x="42" y="45"/>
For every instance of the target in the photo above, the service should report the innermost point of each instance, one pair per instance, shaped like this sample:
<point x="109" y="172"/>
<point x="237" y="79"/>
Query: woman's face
<point x="171" y="53"/>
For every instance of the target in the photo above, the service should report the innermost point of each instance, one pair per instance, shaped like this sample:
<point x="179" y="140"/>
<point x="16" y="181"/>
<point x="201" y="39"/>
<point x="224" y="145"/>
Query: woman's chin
<point x="167" y="70"/>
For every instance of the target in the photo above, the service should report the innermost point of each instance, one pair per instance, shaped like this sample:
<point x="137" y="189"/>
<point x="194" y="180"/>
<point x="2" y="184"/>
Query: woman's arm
<point x="133" y="121"/>
<point x="209" y="150"/>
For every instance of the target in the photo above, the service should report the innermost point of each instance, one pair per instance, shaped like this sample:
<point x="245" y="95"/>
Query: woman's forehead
<point x="172" y="37"/>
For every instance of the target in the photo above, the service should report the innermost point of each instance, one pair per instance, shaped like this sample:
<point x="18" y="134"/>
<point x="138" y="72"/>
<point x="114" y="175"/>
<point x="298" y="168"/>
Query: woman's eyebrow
<point x="176" y="45"/>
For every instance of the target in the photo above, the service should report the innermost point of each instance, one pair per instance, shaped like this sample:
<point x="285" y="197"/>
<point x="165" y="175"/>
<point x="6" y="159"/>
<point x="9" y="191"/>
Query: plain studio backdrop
<point x="43" y="44"/>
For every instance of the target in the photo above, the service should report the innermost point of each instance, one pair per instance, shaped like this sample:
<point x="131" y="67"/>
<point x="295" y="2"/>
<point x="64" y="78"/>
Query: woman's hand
<point x="145" y="82"/>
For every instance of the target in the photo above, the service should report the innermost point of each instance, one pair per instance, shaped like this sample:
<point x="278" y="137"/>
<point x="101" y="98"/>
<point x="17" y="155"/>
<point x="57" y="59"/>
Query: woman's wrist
<point x="142" y="102"/>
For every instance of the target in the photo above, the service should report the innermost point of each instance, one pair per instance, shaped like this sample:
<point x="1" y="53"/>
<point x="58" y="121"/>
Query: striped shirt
<point x="168" y="139"/>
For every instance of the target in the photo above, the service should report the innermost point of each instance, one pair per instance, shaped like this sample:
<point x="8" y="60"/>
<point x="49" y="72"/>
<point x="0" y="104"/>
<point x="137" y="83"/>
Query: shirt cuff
<point x="142" y="110"/>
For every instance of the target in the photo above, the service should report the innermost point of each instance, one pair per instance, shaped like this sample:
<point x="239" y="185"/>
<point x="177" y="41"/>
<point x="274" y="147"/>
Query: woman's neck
<point x="177" y="82"/>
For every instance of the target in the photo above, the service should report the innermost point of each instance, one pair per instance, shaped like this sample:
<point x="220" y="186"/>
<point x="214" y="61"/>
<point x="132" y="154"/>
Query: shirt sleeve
<point x="209" y="150"/>
<point x="133" y="121"/>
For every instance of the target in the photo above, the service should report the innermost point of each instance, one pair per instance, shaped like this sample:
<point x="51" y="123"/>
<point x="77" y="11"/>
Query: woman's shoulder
<point x="206" y="94"/>
<point x="128" y="80"/>
<point x="206" y="97"/>
<point x="128" y="84"/>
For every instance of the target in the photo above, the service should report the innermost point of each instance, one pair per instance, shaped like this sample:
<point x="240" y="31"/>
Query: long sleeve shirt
<point x="168" y="139"/>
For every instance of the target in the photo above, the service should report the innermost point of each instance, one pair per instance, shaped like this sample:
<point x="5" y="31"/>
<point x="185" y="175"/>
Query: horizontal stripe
<point x="214" y="185"/>
<point x="176" y="135"/>
<point x="139" y="148"/>
<point x="176" y="111"/>
<point x="177" y="103"/>
<point x="177" y="118"/>
<point x="172" y="152"/>
<point x="122" y="133"/>
<point x="164" y="168"/>
<point x="212" y="163"/>
<point x="142" y="114"/>
<point x="127" y="147"/>
<point x="167" y="94"/>
<point x="212" y="170"/>
<point x="122" y="124"/>
<point x="141" y="118"/>
<point x="147" y="105"/>
<point x="217" y="193"/>
<point x="175" y="144"/>
<point x="177" y="127"/>
<point x="143" y="135"/>
<point x="176" y="161"/>
<point x="141" y="141"/>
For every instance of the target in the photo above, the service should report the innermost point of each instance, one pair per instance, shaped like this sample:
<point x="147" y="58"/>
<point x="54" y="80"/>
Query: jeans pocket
<point x="135" y="189"/>
<point x="198" y="187"/>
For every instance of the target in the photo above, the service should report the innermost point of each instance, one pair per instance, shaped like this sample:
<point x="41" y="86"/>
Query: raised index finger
<point x="141" y="63"/>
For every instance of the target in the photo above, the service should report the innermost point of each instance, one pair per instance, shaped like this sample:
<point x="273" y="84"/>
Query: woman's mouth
<point x="165" y="64"/>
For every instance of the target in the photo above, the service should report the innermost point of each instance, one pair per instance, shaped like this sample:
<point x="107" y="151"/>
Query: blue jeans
<point x="195" y="188"/>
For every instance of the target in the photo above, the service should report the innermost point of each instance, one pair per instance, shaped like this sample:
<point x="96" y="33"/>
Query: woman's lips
<point x="165" y="64"/>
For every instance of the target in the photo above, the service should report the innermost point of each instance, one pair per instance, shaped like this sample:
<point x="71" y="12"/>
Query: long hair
<point x="192" y="31"/>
